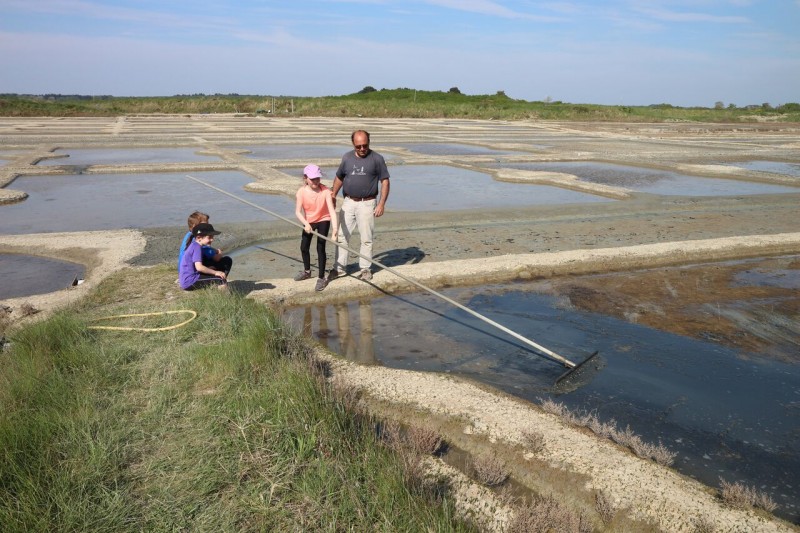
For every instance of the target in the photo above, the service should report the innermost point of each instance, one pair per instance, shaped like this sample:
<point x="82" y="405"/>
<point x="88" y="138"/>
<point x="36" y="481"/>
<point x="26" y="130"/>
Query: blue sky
<point x="632" y="52"/>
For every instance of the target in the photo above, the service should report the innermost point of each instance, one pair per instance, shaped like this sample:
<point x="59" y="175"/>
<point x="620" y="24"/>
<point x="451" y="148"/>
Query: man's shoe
<point x="321" y="284"/>
<point x="333" y="274"/>
<point x="365" y="275"/>
<point x="303" y="274"/>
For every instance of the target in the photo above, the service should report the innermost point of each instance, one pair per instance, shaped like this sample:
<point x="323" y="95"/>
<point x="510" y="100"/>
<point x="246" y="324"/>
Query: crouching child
<point x="193" y="273"/>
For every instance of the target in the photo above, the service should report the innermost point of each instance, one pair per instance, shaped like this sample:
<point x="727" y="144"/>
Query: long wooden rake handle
<point x="566" y="362"/>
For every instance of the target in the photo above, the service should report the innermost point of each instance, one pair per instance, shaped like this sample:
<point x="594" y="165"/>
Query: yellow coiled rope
<point x="166" y="328"/>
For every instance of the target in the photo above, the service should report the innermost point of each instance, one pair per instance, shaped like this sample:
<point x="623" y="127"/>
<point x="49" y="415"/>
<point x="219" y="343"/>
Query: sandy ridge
<point x="563" y="180"/>
<point x="651" y="492"/>
<point x="528" y="266"/>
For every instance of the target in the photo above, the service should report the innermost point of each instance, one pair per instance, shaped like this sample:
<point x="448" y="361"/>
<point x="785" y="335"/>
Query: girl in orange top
<point x="315" y="210"/>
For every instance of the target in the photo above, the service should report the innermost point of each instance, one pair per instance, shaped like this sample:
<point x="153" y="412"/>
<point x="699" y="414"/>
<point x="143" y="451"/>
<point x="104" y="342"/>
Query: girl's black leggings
<point x="305" y="245"/>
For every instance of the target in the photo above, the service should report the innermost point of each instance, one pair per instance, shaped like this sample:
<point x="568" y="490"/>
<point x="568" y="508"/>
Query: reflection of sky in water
<point x="24" y="275"/>
<point x="783" y="278"/>
<point x="449" y="149"/>
<point x="295" y="151"/>
<point x="118" y="156"/>
<point x="687" y="394"/>
<point x="114" y="201"/>
<point x="654" y="181"/>
<point x="441" y="187"/>
<point x="774" y="167"/>
<point x="548" y="139"/>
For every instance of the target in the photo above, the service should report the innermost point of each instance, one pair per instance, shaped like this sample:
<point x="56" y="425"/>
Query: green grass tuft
<point x="225" y="424"/>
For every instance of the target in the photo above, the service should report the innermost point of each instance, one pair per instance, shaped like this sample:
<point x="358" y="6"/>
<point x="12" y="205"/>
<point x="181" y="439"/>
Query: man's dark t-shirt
<point x="360" y="175"/>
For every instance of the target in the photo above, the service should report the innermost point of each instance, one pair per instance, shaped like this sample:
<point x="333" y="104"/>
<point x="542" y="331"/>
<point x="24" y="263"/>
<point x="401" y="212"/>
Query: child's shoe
<point x="303" y="274"/>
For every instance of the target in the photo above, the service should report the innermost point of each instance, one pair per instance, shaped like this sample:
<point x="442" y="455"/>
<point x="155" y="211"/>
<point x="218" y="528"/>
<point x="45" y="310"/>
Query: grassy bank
<point x="225" y="424"/>
<point x="393" y="103"/>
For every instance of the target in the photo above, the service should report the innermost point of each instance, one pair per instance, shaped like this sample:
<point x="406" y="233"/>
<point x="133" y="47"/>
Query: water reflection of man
<point x="323" y="333"/>
<point x="308" y="322"/>
<point x="361" y="350"/>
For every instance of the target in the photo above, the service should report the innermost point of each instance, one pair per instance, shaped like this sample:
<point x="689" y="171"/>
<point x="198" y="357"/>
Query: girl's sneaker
<point x="321" y="284"/>
<point x="303" y="274"/>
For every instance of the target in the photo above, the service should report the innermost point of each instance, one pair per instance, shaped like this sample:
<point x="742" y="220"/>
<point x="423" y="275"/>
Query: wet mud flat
<point x="751" y="305"/>
<point x="709" y="369"/>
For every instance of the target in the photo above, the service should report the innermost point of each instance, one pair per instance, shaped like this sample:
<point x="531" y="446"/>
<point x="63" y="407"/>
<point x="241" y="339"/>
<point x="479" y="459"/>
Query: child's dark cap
<point x="204" y="228"/>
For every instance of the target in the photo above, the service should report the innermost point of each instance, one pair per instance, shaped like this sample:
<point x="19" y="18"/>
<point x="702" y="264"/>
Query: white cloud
<point x="101" y="11"/>
<point x="676" y="16"/>
<point x="485" y="7"/>
<point x="564" y="7"/>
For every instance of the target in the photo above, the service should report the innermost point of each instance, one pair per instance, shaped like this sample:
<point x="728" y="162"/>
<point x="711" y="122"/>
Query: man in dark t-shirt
<point x="359" y="175"/>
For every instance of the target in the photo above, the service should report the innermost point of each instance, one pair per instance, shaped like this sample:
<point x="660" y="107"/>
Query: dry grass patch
<point x="533" y="441"/>
<point x="609" y="430"/>
<point x="703" y="524"/>
<point x="417" y="440"/>
<point x="5" y="319"/>
<point x="605" y="509"/>
<point x="550" y="515"/>
<point x="740" y="496"/>
<point x="27" y="309"/>
<point x="424" y="440"/>
<point x="489" y="470"/>
<point x="391" y="433"/>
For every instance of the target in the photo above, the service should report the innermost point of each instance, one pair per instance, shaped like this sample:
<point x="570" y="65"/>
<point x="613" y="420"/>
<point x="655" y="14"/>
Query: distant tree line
<point x="789" y="107"/>
<point x="387" y="103"/>
<point x="55" y="96"/>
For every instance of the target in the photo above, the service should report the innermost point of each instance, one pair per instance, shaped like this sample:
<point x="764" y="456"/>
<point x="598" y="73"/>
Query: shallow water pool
<point x="122" y="156"/>
<point x="449" y="149"/>
<point x="773" y="167"/>
<point x="312" y="152"/>
<point x="442" y="187"/>
<point x="117" y="201"/>
<point x="654" y="181"/>
<point x="26" y="275"/>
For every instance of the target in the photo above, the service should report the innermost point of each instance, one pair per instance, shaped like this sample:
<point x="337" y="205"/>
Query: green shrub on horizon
<point x="386" y="103"/>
